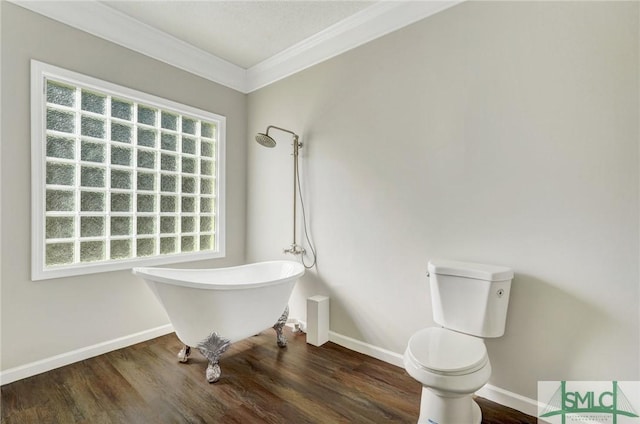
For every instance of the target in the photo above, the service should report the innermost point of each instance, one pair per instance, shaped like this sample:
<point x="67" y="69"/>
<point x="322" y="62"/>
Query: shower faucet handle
<point x="294" y="250"/>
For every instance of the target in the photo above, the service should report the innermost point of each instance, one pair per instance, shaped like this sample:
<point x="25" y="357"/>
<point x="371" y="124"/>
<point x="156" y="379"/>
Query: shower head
<point x="265" y="140"/>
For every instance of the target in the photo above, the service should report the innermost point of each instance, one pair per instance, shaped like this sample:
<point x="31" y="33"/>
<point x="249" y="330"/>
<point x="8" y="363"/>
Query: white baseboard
<point x="496" y="394"/>
<point x="23" y="371"/>
<point x="367" y="349"/>
<point x="512" y="400"/>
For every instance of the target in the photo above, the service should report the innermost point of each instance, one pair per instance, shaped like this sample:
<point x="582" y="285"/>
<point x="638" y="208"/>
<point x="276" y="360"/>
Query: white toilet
<point x="470" y="302"/>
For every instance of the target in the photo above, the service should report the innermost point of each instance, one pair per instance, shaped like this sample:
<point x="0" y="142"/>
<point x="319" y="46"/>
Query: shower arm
<point x="281" y="129"/>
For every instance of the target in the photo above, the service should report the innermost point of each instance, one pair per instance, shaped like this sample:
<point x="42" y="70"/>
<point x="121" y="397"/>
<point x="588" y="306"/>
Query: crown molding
<point x="102" y="21"/>
<point x="373" y="22"/>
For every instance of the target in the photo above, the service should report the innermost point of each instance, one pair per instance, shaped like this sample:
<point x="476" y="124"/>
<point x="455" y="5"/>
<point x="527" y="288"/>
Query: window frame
<point x="40" y="72"/>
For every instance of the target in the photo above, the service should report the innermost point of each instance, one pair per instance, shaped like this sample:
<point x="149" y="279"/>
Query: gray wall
<point x="46" y="318"/>
<point x="503" y="133"/>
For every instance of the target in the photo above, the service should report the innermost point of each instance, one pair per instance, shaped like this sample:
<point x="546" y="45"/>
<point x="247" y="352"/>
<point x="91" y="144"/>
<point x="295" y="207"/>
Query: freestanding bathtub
<point x="212" y="308"/>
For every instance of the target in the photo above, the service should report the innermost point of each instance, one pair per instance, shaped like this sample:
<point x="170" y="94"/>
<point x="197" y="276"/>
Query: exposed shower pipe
<point x="266" y="140"/>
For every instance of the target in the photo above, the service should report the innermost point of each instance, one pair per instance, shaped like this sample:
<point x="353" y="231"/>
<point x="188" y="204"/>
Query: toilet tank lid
<point x="470" y="270"/>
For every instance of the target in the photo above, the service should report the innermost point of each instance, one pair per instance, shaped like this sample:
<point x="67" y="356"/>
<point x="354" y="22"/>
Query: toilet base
<point x="437" y="407"/>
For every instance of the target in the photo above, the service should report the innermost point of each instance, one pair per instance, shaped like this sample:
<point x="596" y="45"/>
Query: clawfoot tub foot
<point x="279" y="325"/>
<point x="212" y="348"/>
<point x="213" y="372"/>
<point x="183" y="355"/>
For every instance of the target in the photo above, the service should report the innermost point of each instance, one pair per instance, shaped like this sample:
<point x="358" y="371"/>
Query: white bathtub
<point x="211" y="308"/>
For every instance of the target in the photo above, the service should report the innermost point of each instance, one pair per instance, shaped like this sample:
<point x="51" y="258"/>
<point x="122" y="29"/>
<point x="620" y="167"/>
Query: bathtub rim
<point x="143" y="273"/>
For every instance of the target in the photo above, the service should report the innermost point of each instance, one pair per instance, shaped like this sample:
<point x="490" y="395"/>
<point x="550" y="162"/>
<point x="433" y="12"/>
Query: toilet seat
<point x="446" y="352"/>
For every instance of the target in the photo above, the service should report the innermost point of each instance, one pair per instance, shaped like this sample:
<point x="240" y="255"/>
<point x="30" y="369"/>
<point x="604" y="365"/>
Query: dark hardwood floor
<point x="260" y="383"/>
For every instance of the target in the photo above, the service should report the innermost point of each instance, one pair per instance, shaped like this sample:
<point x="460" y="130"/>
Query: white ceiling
<point x="242" y="32"/>
<point x="244" y="45"/>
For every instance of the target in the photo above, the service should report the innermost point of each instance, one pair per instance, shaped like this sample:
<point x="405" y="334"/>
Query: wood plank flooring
<point x="260" y="383"/>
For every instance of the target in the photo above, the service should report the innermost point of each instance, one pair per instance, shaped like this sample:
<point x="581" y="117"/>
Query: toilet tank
<point x="470" y="298"/>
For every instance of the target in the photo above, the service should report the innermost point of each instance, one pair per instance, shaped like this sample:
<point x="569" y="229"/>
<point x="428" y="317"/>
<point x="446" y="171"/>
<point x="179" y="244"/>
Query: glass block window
<point x="121" y="178"/>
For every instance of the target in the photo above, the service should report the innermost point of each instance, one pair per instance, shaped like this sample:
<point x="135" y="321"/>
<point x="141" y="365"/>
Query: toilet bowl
<point x="450" y="366"/>
<point x="470" y="302"/>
